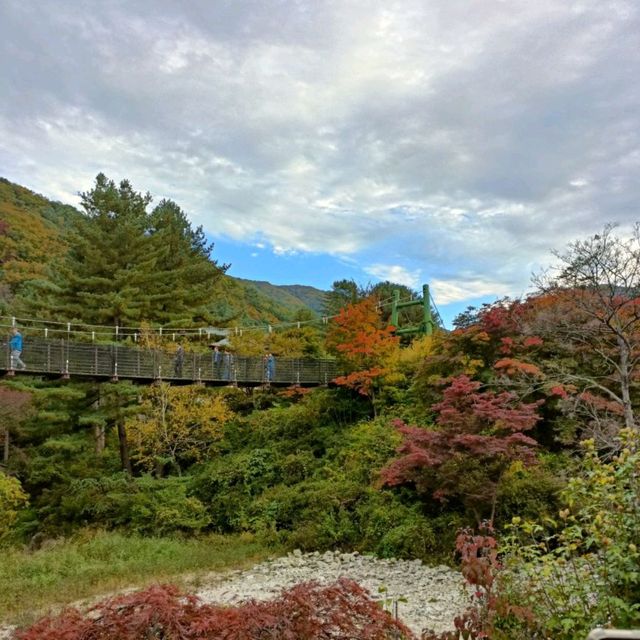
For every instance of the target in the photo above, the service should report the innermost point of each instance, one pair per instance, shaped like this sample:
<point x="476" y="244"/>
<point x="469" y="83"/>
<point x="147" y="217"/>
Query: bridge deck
<point x="57" y="358"/>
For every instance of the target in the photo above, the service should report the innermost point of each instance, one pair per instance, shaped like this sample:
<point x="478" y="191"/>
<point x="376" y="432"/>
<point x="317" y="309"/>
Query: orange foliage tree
<point x="363" y="343"/>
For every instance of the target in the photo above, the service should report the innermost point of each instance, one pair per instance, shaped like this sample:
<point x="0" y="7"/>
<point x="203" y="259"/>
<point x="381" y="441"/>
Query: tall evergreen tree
<point x="343" y="293"/>
<point x="187" y="283"/>
<point x="126" y="265"/>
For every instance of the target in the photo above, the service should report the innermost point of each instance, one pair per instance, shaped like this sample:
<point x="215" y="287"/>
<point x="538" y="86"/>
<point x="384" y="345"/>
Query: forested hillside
<point x="291" y="295"/>
<point x="34" y="232"/>
<point x="509" y="444"/>
<point x="31" y="235"/>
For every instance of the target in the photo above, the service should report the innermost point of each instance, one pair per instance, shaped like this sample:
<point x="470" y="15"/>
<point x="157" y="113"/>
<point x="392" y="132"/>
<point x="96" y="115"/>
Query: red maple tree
<point x="477" y="435"/>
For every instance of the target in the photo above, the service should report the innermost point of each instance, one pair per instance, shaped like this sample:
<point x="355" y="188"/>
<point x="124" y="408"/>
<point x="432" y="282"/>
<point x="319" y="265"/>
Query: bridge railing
<point x="67" y="357"/>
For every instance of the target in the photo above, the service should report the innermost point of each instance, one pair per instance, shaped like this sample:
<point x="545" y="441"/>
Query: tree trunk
<point x="99" y="438"/>
<point x="625" y="383"/>
<point x="125" y="460"/>
<point x="158" y="468"/>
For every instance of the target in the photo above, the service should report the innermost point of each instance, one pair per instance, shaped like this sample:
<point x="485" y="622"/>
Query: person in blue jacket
<point x="269" y="367"/>
<point x="15" y="346"/>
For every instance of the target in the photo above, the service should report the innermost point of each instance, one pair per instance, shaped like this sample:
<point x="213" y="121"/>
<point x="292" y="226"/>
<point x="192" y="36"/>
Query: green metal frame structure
<point x="427" y="324"/>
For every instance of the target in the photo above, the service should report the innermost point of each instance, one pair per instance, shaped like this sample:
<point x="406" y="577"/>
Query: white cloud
<point x="448" y="291"/>
<point x="450" y="137"/>
<point x="394" y="273"/>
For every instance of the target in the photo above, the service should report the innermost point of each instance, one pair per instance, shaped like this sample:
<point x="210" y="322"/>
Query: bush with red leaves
<point x="342" y="611"/>
<point x="489" y="605"/>
<point x="478" y="434"/>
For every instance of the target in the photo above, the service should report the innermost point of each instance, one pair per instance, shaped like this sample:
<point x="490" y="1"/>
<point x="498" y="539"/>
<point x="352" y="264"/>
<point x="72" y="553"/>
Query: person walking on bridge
<point x="269" y="367"/>
<point x="228" y="366"/>
<point x="178" y="361"/>
<point x="15" y="346"/>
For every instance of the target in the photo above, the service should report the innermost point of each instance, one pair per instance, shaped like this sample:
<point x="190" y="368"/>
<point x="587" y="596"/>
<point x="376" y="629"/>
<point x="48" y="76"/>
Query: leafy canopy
<point x="175" y="424"/>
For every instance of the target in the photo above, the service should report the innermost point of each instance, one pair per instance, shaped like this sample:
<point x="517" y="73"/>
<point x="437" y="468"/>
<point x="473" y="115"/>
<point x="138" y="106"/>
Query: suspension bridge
<point x="61" y="358"/>
<point x="65" y="350"/>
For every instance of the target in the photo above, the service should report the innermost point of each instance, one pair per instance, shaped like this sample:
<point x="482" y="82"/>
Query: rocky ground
<point x="428" y="597"/>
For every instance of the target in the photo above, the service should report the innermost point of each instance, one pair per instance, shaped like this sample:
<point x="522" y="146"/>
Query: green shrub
<point x="141" y="505"/>
<point x="392" y="529"/>
<point x="364" y="449"/>
<point x="315" y="514"/>
<point x="583" y="571"/>
<point x="529" y="492"/>
<point x="12" y="499"/>
<point x="297" y="467"/>
<point x="294" y="479"/>
<point x="228" y="484"/>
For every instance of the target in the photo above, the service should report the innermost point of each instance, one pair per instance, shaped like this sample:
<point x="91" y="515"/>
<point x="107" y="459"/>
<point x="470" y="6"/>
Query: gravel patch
<point x="428" y="597"/>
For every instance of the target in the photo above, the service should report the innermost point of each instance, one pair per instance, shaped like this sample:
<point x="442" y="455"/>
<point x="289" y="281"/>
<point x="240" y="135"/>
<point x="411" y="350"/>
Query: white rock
<point x="434" y="595"/>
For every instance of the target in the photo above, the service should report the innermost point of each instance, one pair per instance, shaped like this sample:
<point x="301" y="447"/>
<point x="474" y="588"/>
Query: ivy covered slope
<point x="34" y="232"/>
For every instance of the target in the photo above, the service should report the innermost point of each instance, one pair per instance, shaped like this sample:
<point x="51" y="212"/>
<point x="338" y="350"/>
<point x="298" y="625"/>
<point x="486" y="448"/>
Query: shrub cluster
<point x="305" y="612"/>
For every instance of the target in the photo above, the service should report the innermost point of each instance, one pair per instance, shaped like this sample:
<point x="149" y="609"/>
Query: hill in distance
<point x="32" y="232"/>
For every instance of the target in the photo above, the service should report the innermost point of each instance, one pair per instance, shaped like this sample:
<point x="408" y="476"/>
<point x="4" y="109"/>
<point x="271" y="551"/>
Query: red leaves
<point x="497" y="318"/>
<point x="466" y="410"/>
<point x="513" y="367"/>
<point x="559" y="390"/>
<point x="361" y="381"/>
<point x="506" y="345"/>
<point x="598" y="403"/>
<point x="295" y="392"/>
<point x="159" y="608"/>
<point x="308" y="611"/>
<point x="479" y="557"/>
<point x="477" y="432"/>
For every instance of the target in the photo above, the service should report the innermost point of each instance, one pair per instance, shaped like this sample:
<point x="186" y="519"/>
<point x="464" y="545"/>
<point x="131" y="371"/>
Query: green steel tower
<point x="426" y="326"/>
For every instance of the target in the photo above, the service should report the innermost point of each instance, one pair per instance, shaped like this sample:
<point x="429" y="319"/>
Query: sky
<point x="449" y="142"/>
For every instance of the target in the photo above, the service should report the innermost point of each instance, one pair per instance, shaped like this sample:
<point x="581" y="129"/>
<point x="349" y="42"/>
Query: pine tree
<point x="126" y="265"/>
<point x="187" y="274"/>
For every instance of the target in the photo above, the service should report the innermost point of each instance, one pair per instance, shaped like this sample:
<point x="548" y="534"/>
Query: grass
<point x="97" y="563"/>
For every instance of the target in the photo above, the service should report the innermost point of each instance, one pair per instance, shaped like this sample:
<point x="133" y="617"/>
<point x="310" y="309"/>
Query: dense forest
<point x="508" y="444"/>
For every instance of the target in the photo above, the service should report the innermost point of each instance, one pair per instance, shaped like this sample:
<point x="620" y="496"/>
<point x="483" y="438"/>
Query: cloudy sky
<point x="444" y="141"/>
